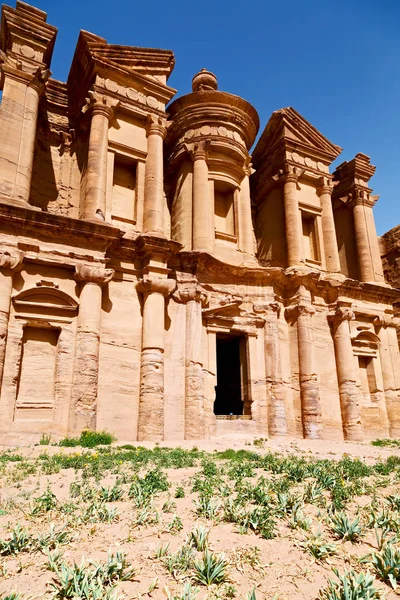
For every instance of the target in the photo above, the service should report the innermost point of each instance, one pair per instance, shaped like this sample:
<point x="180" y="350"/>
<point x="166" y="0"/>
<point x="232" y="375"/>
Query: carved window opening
<point x="310" y="238"/>
<point x="231" y="392"/>
<point x="124" y="190"/>
<point x="224" y="211"/>
<point x="37" y="374"/>
<point x="367" y="374"/>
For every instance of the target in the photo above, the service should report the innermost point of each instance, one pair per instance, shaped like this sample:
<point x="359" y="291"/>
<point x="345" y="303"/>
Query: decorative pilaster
<point x="151" y="401"/>
<point x="203" y="205"/>
<point x="27" y="43"/>
<point x="246" y="232"/>
<point x="288" y="179"/>
<point x="153" y="210"/>
<point x="369" y="257"/>
<point x="276" y="404"/>
<point x="349" y="392"/>
<point x="390" y="363"/>
<point x="86" y="364"/>
<point x="102" y="111"/>
<point x="10" y="263"/>
<point x="328" y="227"/>
<point x="309" y="390"/>
<point x="195" y="298"/>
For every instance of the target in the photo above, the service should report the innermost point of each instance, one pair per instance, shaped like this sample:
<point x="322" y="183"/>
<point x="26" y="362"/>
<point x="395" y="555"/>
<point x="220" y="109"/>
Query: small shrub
<point x="179" y="492"/>
<point x="351" y="586"/>
<point x="89" y="439"/>
<point x="319" y="548"/>
<point x="199" y="538"/>
<point x="386" y="564"/>
<point x="45" y="439"/>
<point x="20" y="541"/>
<point x="344" y="528"/>
<point x="210" y="569"/>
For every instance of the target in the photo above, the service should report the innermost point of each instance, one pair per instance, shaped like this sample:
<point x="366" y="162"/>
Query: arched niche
<point x="45" y="299"/>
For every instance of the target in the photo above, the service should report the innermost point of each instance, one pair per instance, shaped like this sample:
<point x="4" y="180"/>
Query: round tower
<point x="208" y="161"/>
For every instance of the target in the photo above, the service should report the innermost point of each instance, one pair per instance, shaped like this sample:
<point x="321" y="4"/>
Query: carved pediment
<point x="230" y="310"/>
<point x="288" y="130"/>
<point x="139" y="69"/>
<point x="45" y="299"/>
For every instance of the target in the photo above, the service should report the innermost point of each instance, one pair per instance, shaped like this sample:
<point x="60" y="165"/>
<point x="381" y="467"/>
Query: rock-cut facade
<point x="157" y="280"/>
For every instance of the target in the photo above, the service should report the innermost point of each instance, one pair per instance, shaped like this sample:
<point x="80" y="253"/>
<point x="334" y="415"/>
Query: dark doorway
<point x="229" y="396"/>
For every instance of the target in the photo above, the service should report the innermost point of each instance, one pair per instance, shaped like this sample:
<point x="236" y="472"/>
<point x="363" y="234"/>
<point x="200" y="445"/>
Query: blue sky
<point x="337" y="63"/>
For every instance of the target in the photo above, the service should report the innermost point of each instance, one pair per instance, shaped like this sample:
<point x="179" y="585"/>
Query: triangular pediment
<point x="290" y="129"/>
<point x="139" y="68"/>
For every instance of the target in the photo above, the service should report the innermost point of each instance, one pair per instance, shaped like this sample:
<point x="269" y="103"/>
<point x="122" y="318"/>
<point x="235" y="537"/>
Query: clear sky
<point x="337" y="62"/>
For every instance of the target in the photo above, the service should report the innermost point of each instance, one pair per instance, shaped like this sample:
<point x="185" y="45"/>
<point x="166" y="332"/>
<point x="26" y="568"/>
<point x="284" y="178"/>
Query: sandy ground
<point x="277" y="568"/>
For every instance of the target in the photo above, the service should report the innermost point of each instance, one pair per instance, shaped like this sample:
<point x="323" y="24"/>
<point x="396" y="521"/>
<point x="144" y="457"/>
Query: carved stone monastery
<point x="157" y="281"/>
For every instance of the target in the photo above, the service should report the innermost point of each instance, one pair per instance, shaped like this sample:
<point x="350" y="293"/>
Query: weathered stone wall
<point x="135" y="245"/>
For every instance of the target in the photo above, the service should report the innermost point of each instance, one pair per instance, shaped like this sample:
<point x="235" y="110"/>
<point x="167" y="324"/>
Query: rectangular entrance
<point x="231" y="396"/>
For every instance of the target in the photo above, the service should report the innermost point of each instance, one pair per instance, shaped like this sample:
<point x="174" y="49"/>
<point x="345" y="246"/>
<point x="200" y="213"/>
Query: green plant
<point x="199" y="538"/>
<point x="161" y="551"/>
<point x="44" y="503"/>
<point x="45" y="439"/>
<point x="54" y="557"/>
<point x="179" y="492"/>
<point x="386" y="564"/>
<point x="386" y="442"/>
<point x="12" y="596"/>
<point x="345" y="529"/>
<point x="175" y="526"/>
<point x="319" y="548"/>
<point x="180" y="562"/>
<point x="350" y="586"/>
<point x="188" y="593"/>
<point x="211" y="568"/>
<point x="207" y="507"/>
<point x="53" y="538"/>
<point x="89" y="439"/>
<point x="20" y="541"/>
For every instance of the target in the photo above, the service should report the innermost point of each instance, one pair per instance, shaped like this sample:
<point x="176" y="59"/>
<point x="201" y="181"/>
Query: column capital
<point x="191" y="292"/>
<point x="341" y="313"/>
<point x="10" y="260"/>
<point x="156" y="126"/>
<point x="93" y="273"/>
<point x="35" y="80"/>
<point x="387" y="320"/>
<point x="156" y="285"/>
<point x="325" y="186"/>
<point x="362" y="197"/>
<point x="288" y="174"/>
<point x="100" y="104"/>
<point x="198" y="150"/>
<point x="269" y="310"/>
<point x="292" y="313"/>
<point x="248" y="167"/>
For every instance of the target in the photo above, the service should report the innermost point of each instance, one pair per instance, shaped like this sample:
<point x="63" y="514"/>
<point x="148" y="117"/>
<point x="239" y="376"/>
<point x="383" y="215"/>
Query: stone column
<point x="102" y="110"/>
<point x="203" y="205"/>
<point x="194" y="297"/>
<point x="390" y="362"/>
<point x="10" y="262"/>
<point x="309" y="389"/>
<point x="151" y="401"/>
<point x="328" y="227"/>
<point x="369" y="258"/>
<point x="292" y="219"/>
<point x="18" y="123"/>
<point x="276" y="404"/>
<point x="349" y="392"/>
<point x="87" y="346"/>
<point x="246" y="231"/>
<point x="153" y="210"/>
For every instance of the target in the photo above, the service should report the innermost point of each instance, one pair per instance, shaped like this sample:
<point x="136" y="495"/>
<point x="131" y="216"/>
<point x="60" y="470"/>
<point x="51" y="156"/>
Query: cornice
<point x="28" y="220"/>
